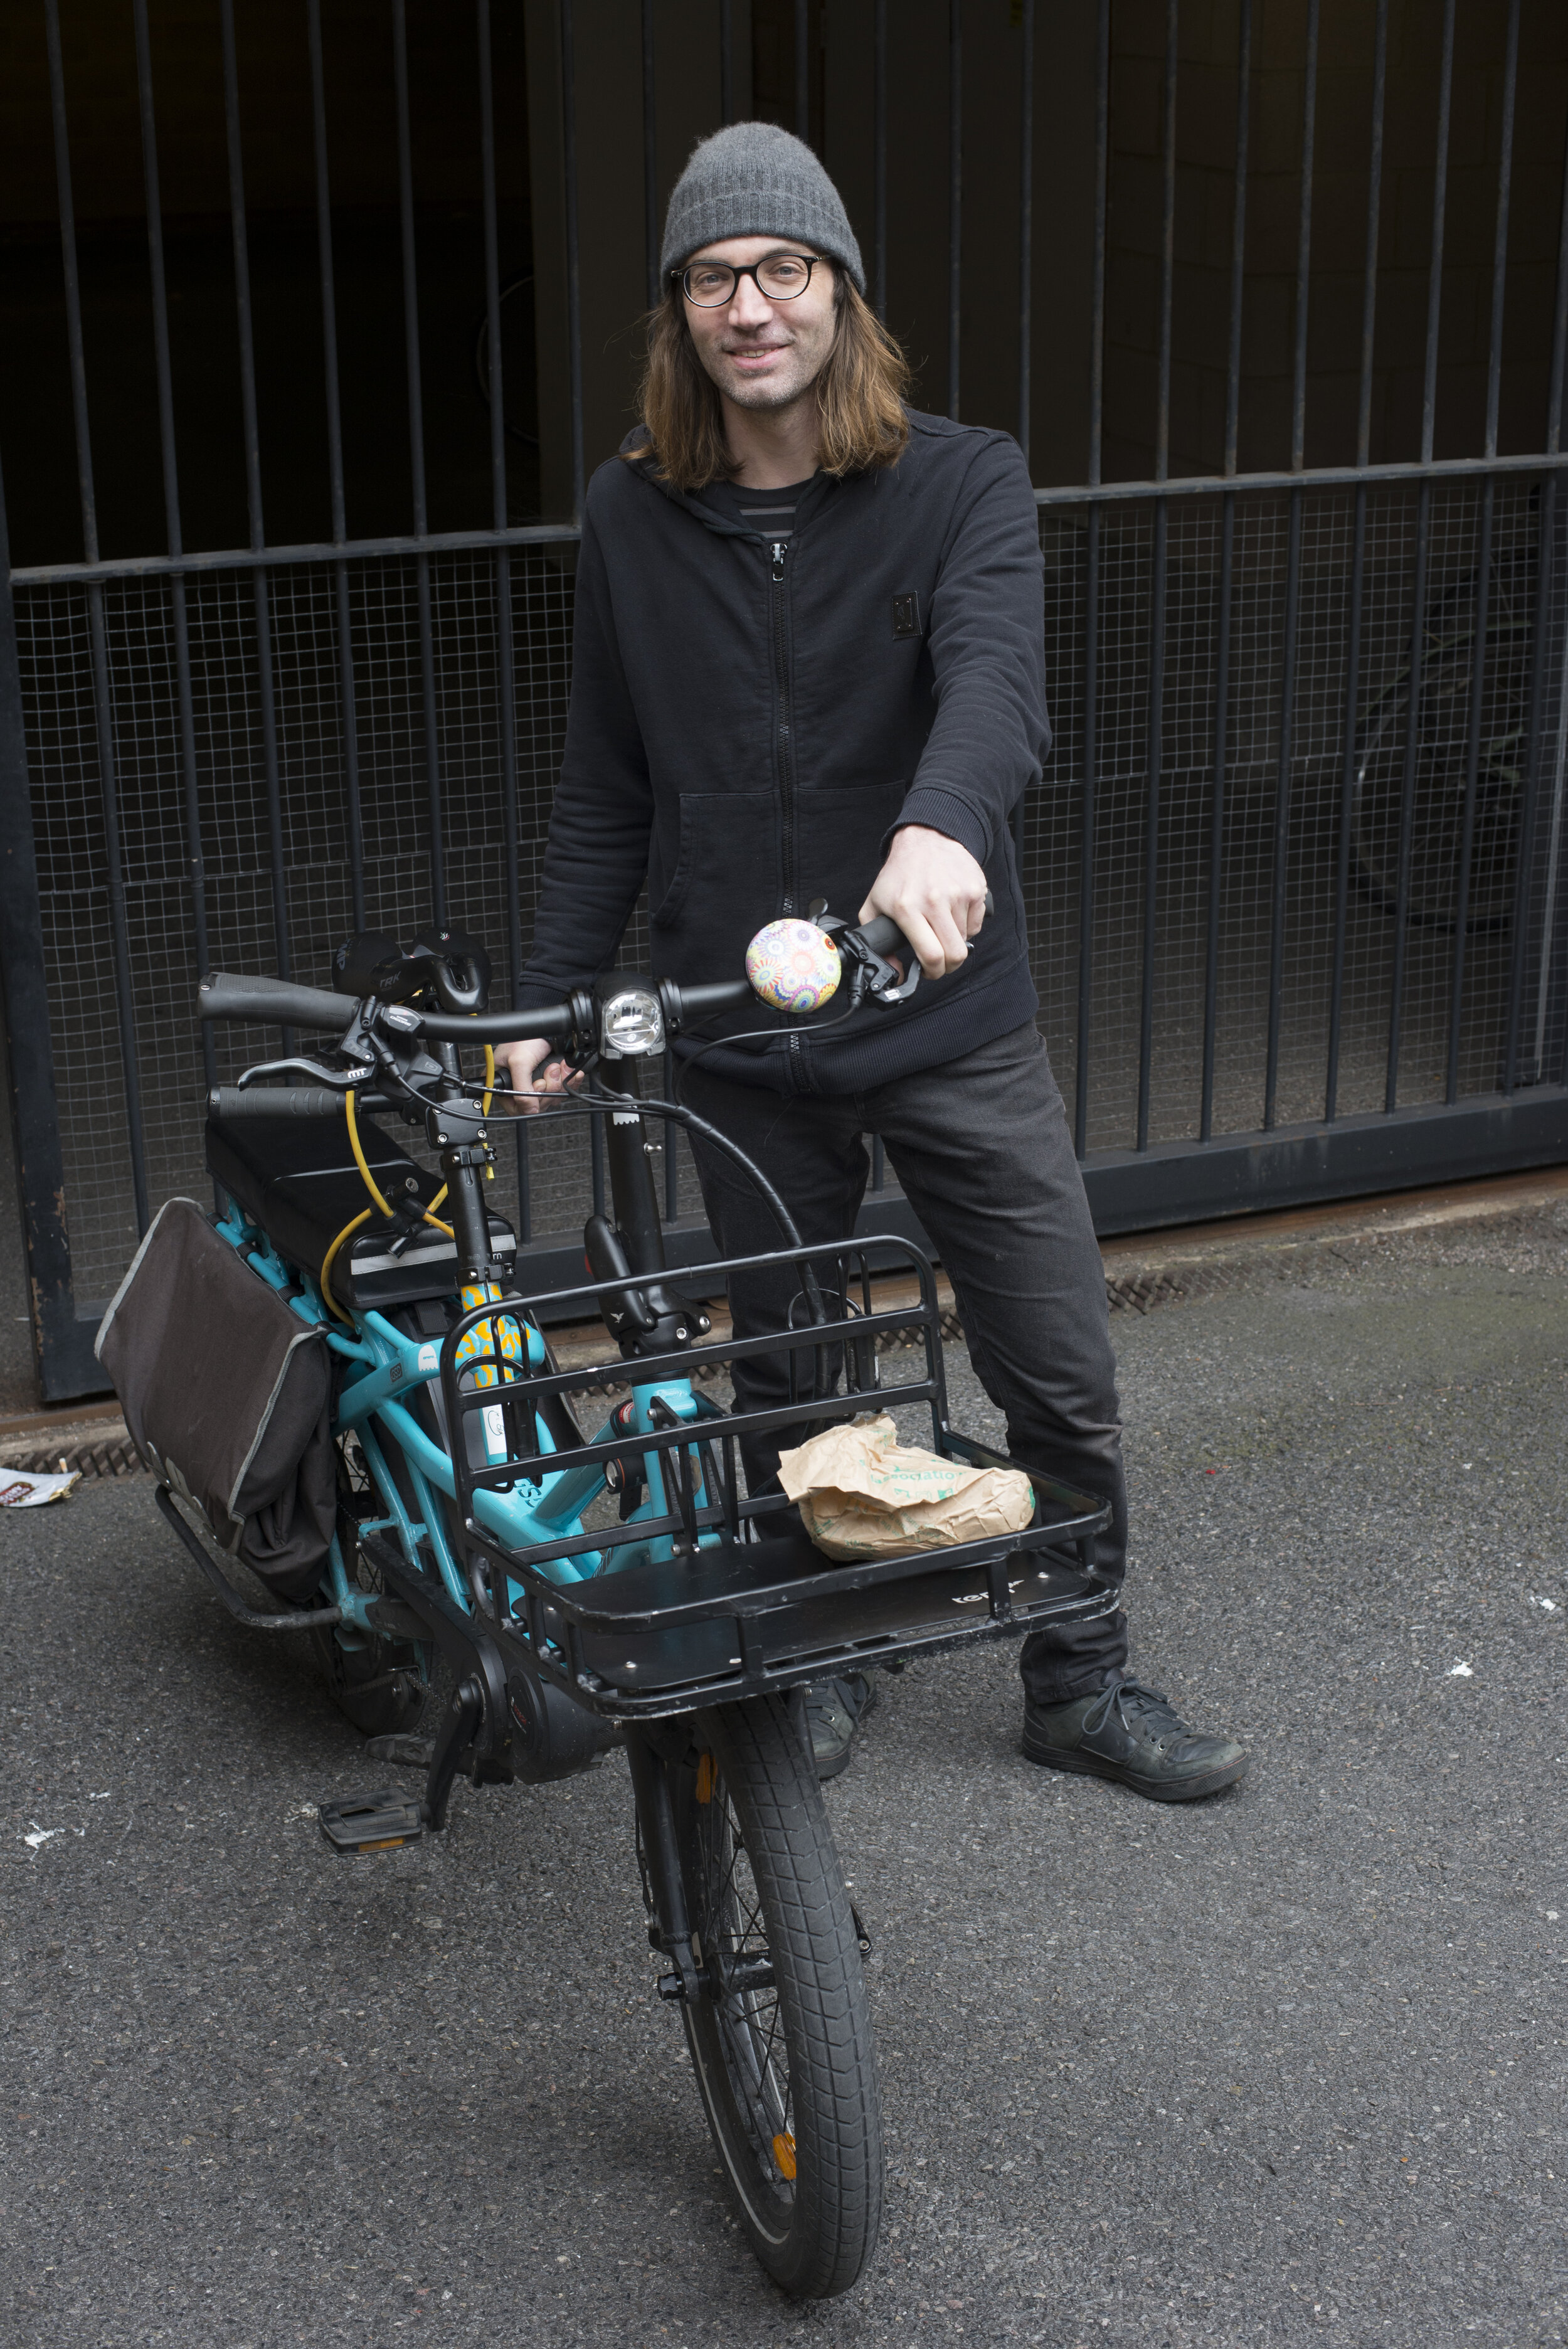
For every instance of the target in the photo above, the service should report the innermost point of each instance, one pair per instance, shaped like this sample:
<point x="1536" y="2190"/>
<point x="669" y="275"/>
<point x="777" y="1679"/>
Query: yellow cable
<point x="359" y="1159"/>
<point x="328" y="1261"/>
<point x="432" y="1217"/>
<point x="484" y="1106"/>
<point x="355" y="1144"/>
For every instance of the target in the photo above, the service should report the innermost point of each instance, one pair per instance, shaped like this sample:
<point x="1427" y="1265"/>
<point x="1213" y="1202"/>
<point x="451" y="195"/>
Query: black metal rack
<point x="745" y="1603"/>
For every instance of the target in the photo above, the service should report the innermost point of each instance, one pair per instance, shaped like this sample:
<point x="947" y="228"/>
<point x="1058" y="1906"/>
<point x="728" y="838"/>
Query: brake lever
<point x="872" y="973"/>
<point x="341" y="1081"/>
<point x="885" y="983"/>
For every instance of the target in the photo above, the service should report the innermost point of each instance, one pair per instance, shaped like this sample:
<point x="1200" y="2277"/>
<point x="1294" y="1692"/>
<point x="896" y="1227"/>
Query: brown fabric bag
<point x="227" y="1396"/>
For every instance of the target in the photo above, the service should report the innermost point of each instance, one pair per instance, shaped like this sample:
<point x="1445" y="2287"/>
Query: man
<point x="809" y="663"/>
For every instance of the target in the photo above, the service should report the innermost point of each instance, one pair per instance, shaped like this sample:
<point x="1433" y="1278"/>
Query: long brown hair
<point x="860" y="391"/>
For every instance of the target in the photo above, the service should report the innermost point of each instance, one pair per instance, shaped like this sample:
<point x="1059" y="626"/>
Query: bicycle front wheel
<point x="782" y="2045"/>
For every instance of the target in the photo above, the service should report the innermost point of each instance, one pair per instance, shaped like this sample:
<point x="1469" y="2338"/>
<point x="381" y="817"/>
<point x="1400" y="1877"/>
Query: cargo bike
<point x="621" y="1588"/>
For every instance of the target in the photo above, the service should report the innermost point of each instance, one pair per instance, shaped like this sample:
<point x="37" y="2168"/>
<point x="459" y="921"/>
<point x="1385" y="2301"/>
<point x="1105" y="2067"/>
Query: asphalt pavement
<point x="1281" y="2066"/>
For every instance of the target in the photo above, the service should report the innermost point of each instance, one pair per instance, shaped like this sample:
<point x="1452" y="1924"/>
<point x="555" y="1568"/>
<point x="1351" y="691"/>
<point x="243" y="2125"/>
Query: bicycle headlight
<point x="632" y="1024"/>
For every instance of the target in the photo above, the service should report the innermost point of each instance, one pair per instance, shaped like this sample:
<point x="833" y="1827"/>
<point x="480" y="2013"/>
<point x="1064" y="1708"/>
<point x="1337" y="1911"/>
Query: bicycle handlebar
<point x="496" y="1027"/>
<point x="222" y="997"/>
<point x="556" y="1019"/>
<point x="716" y="995"/>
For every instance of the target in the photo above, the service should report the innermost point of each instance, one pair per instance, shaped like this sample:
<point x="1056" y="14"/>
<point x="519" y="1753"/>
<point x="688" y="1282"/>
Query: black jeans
<point x="982" y="1150"/>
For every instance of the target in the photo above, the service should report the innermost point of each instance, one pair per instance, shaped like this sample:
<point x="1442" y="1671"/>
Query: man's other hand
<point x="532" y="1074"/>
<point x="935" y="892"/>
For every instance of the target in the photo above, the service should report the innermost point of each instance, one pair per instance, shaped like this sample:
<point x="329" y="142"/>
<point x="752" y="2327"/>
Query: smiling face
<point x="762" y="355"/>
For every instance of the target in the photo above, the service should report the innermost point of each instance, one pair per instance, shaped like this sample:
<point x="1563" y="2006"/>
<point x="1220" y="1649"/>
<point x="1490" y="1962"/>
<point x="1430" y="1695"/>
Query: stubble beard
<point x="770" y="397"/>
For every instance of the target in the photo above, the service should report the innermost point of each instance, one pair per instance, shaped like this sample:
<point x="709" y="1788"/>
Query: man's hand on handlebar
<point x="532" y="1074"/>
<point x="935" y="892"/>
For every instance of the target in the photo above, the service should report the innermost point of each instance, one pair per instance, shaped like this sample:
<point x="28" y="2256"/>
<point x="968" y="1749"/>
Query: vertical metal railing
<point x="650" y="160"/>
<point x="1358" y="565"/>
<point x="353" y="816"/>
<point x="416" y="461"/>
<point x="261" y="589"/>
<point x="1413" y="710"/>
<point x="1513" y="1074"/>
<point x="1225" y="613"/>
<point x="879" y="159"/>
<point x="1560" y="779"/>
<point x="1087" y="795"/>
<point x="1026" y="300"/>
<point x="955" y="202"/>
<point x="1483" y="566"/>
<point x="1154" y="734"/>
<point x="505" y="640"/>
<point x="573" y="258"/>
<point x="103" y="698"/>
<point x="1278" y="895"/>
<point x="1026" y="220"/>
<point x="195" y="860"/>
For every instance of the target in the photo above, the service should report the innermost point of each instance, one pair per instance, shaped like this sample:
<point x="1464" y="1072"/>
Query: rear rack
<point x="736" y="1600"/>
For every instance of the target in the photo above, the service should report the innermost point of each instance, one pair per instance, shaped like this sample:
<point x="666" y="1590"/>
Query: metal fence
<point x="1293" y="873"/>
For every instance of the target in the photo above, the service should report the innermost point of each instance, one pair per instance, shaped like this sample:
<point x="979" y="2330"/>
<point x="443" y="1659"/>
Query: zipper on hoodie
<point x="784" y="724"/>
<point x="784" y="718"/>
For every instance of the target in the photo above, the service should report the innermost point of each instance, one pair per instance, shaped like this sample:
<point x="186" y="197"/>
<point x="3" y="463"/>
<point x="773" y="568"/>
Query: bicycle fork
<point x="669" y="1929"/>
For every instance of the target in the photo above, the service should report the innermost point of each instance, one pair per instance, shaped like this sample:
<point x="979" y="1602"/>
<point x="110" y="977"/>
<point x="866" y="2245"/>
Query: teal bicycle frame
<point x="382" y="1368"/>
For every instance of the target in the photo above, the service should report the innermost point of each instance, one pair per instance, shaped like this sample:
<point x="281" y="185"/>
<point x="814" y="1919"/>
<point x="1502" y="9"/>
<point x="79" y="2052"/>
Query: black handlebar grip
<point x="275" y="1101"/>
<point x="714" y="995"/>
<point x="221" y="996"/>
<point x="883" y="937"/>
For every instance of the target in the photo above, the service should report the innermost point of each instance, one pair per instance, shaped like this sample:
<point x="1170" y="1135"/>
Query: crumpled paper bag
<point x="862" y="1494"/>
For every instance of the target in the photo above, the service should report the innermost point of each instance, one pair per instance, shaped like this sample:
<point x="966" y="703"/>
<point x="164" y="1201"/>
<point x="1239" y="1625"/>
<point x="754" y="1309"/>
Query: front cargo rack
<point x="724" y="1596"/>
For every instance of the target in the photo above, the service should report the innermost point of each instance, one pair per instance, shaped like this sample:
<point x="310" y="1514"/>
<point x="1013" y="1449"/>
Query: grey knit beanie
<point x="754" y="180"/>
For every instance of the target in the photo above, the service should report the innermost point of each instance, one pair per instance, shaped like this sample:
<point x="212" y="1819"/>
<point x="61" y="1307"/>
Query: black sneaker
<point x="1131" y="1734"/>
<point x="834" y="1710"/>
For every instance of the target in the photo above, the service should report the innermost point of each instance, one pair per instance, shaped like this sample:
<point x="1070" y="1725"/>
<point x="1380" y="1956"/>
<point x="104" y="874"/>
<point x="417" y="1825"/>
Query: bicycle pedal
<point x="365" y="1823"/>
<point x="413" y="1753"/>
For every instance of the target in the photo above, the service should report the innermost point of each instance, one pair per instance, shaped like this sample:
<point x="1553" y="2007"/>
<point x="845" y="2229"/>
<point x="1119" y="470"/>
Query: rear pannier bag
<point x="227" y="1396"/>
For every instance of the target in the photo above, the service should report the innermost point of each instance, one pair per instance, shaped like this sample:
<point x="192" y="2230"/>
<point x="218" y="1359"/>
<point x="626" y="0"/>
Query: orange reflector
<point x="393" y="1843"/>
<point x="706" y="1776"/>
<point x="784" y="2155"/>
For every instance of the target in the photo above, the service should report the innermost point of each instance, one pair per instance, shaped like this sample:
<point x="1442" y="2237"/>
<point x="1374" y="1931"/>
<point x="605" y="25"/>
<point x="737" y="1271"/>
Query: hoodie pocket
<point x="839" y="850"/>
<point x="726" y="873"/>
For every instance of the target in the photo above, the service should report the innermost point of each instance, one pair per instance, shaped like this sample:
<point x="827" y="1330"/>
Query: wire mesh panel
<point x="1374" y="815"/>
<point x="1373" y="818"/>
<point x="279" y="865"/>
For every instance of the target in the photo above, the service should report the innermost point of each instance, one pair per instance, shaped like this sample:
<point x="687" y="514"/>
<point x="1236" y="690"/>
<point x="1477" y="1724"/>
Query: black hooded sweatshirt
<point x="752" y="722"/>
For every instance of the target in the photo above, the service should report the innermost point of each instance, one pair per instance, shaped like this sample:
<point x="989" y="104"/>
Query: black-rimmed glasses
<point x="783" y="278"/>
